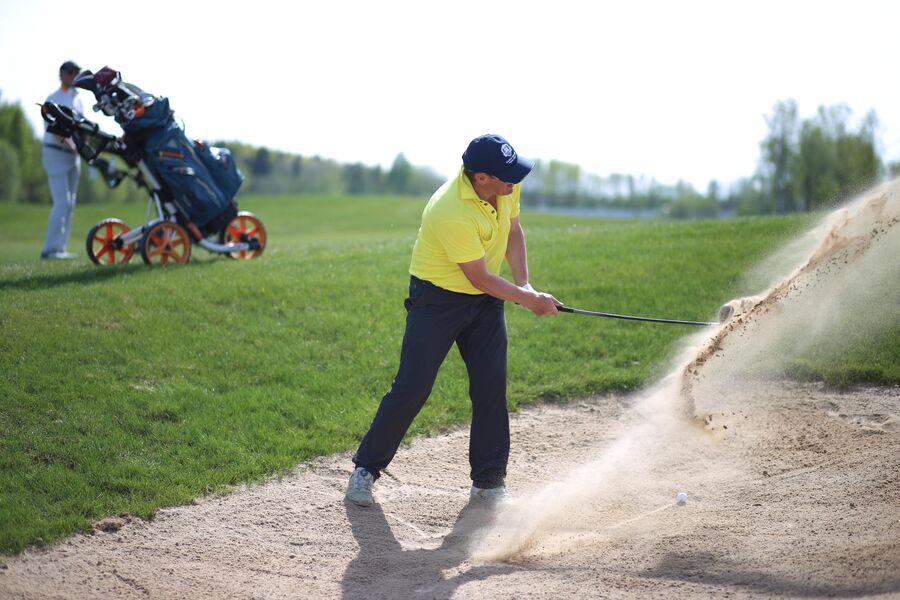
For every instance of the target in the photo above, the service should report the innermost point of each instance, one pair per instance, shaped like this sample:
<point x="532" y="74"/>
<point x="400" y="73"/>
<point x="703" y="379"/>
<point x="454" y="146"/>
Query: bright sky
<point x="672" y="90"/>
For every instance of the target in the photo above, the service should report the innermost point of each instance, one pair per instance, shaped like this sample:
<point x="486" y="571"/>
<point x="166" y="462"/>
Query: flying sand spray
<point x="849" y="259"/>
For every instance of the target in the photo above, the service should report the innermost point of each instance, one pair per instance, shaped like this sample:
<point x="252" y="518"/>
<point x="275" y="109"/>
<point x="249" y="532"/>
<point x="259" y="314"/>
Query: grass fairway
<point x="129" y="388"/>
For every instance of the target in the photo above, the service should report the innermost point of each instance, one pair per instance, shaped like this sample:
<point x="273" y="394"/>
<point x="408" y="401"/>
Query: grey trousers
<point x="63" y="169"/>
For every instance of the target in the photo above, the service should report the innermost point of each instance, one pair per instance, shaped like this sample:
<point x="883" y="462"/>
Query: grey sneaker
<point x="359" y="490"/>
<point x="58" y="256"/>
<point x="489" y="496"/>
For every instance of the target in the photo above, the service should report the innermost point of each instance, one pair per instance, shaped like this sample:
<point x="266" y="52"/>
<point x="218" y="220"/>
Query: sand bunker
<point x="801" y="502"/>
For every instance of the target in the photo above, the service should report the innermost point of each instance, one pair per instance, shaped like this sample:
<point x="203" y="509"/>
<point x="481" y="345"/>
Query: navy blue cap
<point x="493" y="155"/>
<point x="69" y="65"/>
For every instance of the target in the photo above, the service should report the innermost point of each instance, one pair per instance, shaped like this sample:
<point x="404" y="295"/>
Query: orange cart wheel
<point x="104" y="246"/>
<point x="243" y="228"/>
<point x="166" y="243"/>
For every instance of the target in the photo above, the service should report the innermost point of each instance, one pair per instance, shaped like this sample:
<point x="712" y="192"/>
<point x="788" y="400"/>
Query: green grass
<point x="129" y="388"/>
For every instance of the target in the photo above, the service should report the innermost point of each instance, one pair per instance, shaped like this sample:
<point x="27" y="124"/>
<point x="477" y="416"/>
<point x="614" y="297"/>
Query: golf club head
<point x="737" y="307"/>
<point x="725" y="313"/>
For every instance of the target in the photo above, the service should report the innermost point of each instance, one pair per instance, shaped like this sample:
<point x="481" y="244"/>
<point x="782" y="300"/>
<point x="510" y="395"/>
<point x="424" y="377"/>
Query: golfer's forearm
<point x="498" y="287"/>
<point x="517" y="256"/>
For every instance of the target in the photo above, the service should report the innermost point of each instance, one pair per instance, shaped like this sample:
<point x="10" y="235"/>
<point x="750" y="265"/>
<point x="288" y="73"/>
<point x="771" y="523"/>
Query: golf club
<point x="592" y="313"/>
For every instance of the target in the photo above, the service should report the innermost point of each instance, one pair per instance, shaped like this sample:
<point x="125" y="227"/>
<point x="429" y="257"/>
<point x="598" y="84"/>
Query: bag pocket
<point x="222" y="167"/>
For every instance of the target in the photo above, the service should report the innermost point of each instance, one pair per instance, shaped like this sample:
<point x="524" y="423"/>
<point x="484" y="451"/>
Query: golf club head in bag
<point x="115" y="98"/>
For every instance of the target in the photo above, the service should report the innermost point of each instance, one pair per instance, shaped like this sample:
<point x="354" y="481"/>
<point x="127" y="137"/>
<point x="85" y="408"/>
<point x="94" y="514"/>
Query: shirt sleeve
<point x="459" y="240"/>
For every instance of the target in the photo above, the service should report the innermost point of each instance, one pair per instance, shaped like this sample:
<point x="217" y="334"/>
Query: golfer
<point x="469" y="226"/>
<point x="63" y="167"/>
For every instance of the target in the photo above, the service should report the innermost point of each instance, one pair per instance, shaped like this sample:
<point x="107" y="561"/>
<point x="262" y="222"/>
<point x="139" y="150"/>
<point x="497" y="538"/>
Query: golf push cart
<point x="192" y="186"/>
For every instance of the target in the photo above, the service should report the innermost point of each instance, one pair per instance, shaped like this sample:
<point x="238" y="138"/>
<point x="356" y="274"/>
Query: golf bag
<point x="201" y="181"/>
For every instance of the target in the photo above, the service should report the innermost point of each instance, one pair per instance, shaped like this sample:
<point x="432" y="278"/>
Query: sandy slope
<point x="800" y="496"/>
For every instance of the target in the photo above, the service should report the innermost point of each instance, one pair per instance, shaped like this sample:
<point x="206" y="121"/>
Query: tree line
<point x="556" y="184"/>
<point x="22" y="177"/>
<point x="805" y="164"/>
<point x="273" y="172"/>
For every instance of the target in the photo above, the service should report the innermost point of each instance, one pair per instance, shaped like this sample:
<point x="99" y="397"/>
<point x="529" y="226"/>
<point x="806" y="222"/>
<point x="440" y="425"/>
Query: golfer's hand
<point x="543" y="304"/>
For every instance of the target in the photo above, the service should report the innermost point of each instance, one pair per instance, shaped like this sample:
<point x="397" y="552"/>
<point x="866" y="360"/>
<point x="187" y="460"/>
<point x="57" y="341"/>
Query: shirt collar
<point x="466" y="190"/>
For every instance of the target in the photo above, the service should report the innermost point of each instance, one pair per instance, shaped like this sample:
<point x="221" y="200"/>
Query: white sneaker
<point x="490" y="496"/>
<point x="359" y="490"/>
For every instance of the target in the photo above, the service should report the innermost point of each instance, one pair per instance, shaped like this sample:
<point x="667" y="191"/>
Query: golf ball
<point x="681" y="497"/>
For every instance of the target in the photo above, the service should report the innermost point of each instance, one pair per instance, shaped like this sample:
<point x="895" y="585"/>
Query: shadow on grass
<point x="32" y="281"/>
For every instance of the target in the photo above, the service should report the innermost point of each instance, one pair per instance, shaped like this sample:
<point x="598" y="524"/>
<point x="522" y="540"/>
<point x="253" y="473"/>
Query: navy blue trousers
<point x="436" y="318"/>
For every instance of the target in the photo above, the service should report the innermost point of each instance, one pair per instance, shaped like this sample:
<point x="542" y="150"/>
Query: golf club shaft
<point x="577" y="311"/>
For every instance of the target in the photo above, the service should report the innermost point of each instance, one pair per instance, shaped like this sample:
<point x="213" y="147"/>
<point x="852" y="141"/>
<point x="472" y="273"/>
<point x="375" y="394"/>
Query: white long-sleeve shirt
<point x="62" y="97"/>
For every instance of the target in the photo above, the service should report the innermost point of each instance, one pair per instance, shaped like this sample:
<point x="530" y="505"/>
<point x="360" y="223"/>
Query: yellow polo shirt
<point x="458" y="227"/>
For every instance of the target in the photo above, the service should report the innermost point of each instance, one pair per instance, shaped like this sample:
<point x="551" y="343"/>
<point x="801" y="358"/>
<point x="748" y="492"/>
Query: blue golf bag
<point x="202" y="181"/>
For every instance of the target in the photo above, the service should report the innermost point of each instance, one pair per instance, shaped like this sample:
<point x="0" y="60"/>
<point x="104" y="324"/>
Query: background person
<point x="469" y="226"/>
<point x="63" y="167"/>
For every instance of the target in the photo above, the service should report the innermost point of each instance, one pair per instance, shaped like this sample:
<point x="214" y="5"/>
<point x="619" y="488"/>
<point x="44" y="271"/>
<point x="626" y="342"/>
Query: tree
<point x="10" y="175"/>
<point x="835" y="162"/>
<point x="262" y="162"/>
<point x="810" y="164"/>
<point x="689" y="204"/>
<point x="779" y="150"/>
<point x="399" y="175"/>
<point x="17" y="132"/>
<point x="749" y="197"/>
<point x="354" y="175"/>
<point x="712" y="190"/>
<point x="858" y="163"/>
<point x="815" y="171"/>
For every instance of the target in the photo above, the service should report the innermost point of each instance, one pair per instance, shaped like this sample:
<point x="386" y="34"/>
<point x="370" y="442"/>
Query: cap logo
<point x="506" y="150"/>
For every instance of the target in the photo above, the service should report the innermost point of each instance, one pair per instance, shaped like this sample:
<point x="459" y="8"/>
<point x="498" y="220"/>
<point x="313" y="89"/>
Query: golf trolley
<point x="191" y="186"/>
